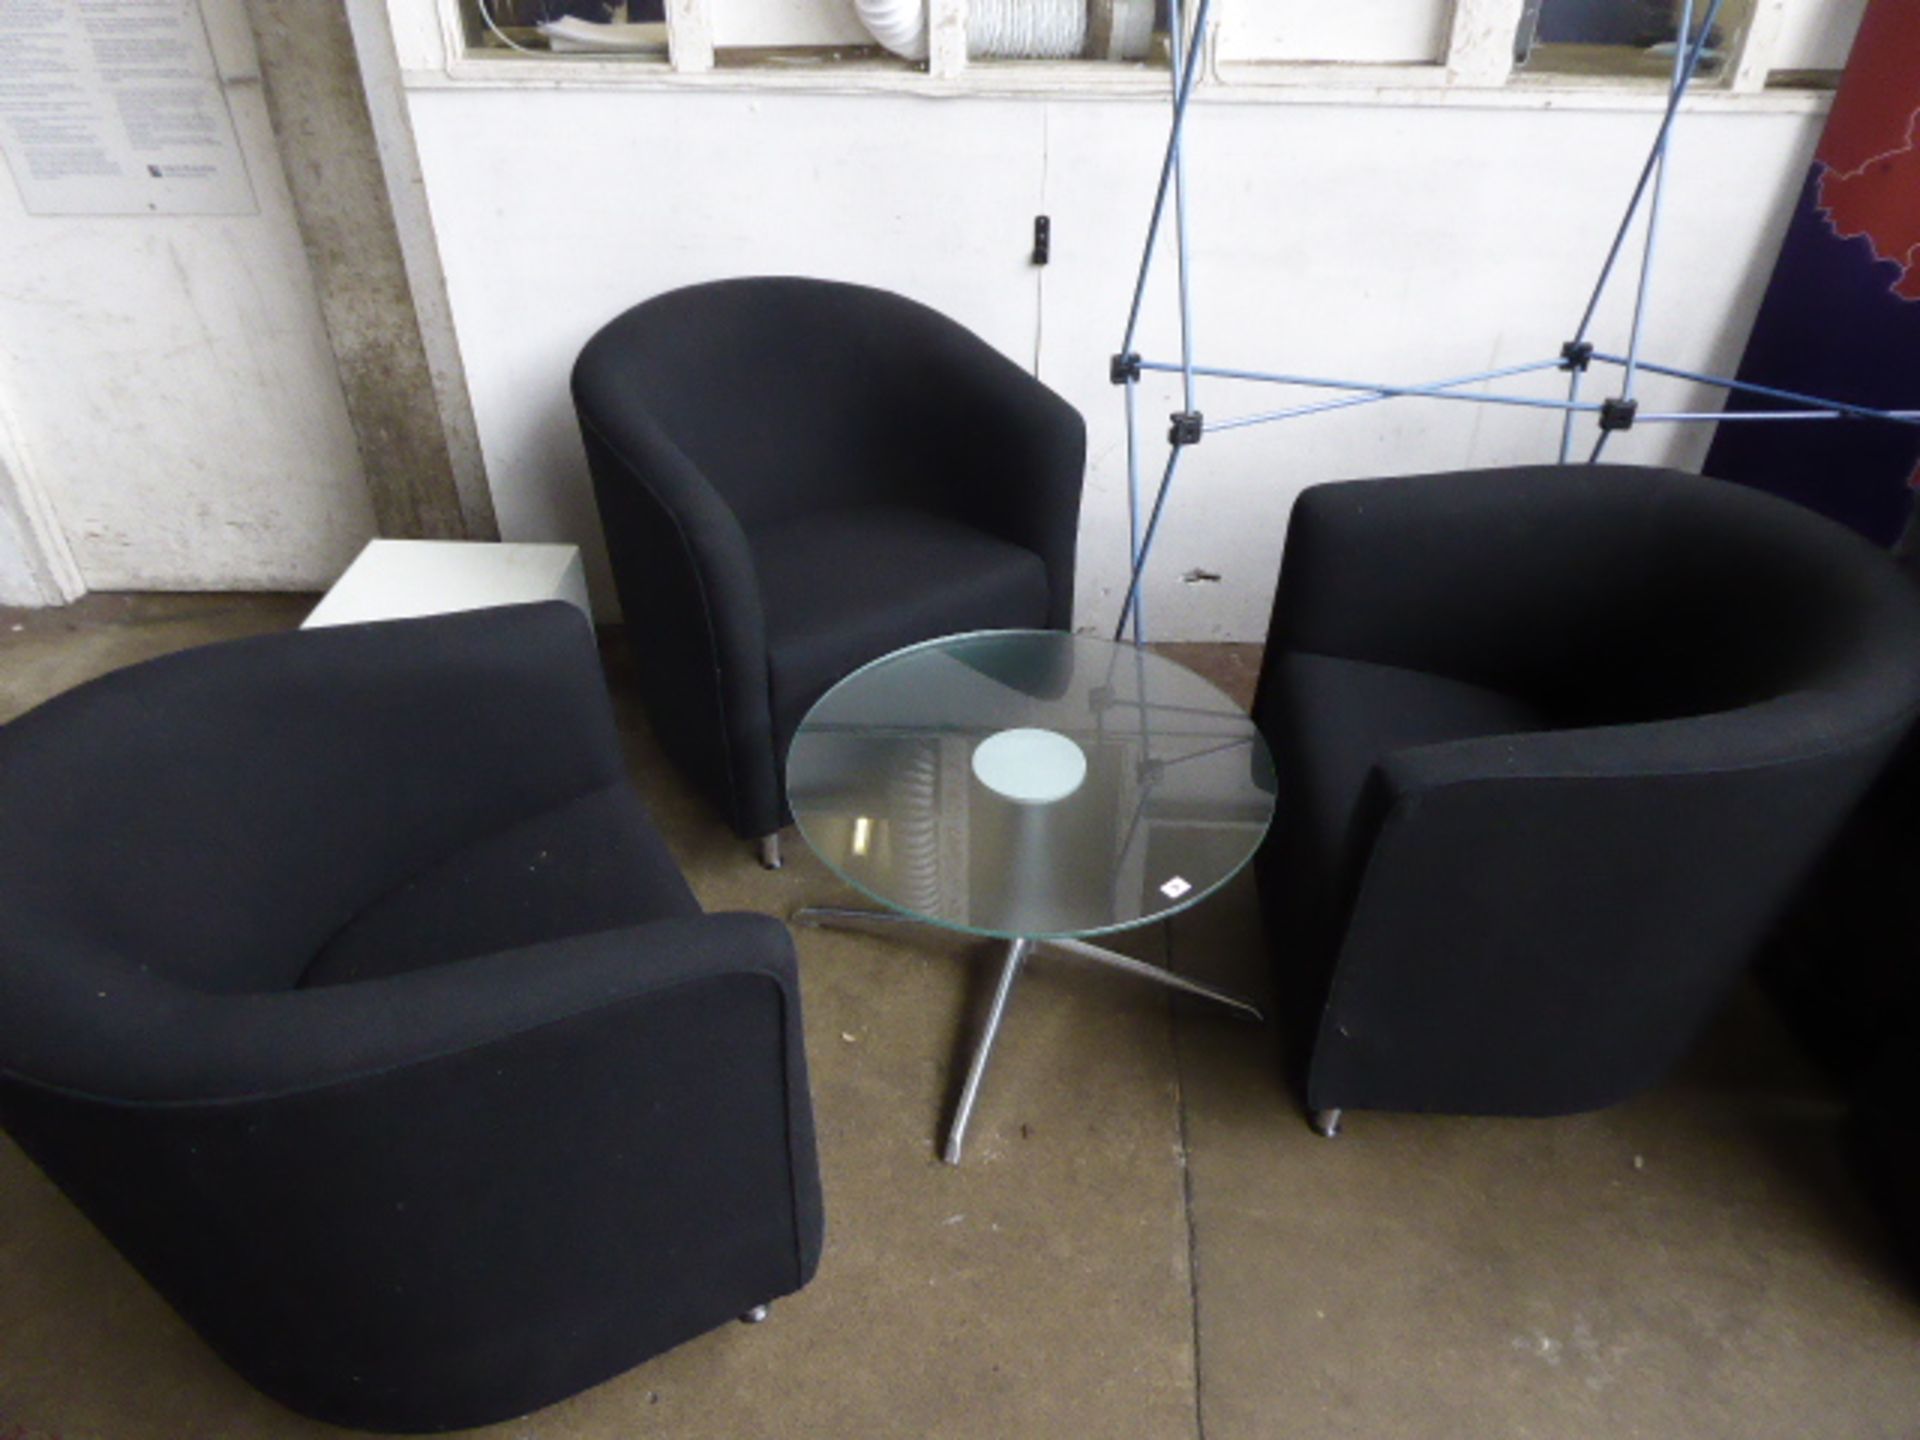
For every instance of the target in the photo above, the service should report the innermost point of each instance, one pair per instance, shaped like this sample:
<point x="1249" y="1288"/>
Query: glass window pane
<point x="772" y="34"/>
<point x="565" y="27"/>
<point x="1633" y="38"/>
<point x="1378" y="32"/>
<point x="778" y="23"/>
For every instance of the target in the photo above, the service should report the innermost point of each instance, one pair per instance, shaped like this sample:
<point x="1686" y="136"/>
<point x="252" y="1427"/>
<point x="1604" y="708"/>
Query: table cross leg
<point x="1017" y="953"/>
<point x="1128" y="965"/>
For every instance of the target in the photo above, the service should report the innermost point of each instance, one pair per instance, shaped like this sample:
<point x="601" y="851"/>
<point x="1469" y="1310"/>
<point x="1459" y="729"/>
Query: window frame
<point x="1477" y="68"/>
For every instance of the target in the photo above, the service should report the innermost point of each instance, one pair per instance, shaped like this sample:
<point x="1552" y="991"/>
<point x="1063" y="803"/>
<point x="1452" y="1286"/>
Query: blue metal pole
<point x="1133" y="507"/>
<point x="1186" y="71"/>
<point x="1320" y="408"/>
<point x="1898" y="417"/>
<point x="1315" y="382"/>
<point x="1241" y="422"/>
<point x="1566" y="421"/>
<point x="1747" y="387"/>
<point x="1146" y="542"/>
<point x="1183" y="83"/>
<point x="1646" y="174"/>
<point x="1684" y="46"/>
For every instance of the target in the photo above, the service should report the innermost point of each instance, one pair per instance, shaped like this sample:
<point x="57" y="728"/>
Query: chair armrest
<point x="1543" y="922"/>
<point x="1803" y="728"/>
<point x="690" y="596"/>
<point x="176" y="1046"/>
<point x="454" y="1196"/>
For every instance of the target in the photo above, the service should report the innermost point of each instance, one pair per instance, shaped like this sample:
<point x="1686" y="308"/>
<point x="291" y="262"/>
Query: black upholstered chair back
<point x="788" y="395"/>
<point x="1601" y="594"/>
<point x="203" y="820"/>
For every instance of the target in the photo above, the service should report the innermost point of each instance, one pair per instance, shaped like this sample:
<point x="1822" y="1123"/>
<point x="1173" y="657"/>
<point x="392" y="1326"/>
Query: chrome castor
<point x="770" y="851"/>
<point x="755" y="1315"/>
<point x="1325" y="1123"/>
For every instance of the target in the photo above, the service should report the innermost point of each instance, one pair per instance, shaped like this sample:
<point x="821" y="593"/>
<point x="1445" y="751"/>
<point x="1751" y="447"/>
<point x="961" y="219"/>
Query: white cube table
<point x="400" y="579"/>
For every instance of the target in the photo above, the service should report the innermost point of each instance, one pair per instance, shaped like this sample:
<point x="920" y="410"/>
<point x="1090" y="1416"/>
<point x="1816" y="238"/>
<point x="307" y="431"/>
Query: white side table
<point x="400" y="579"/>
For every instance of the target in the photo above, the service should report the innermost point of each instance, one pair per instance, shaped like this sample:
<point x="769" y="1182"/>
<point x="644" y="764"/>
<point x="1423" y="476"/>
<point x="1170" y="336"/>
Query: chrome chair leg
<point x="1326" y="1123"/>
<point x="757" y="1314"/>
<point x="770" y="851"/>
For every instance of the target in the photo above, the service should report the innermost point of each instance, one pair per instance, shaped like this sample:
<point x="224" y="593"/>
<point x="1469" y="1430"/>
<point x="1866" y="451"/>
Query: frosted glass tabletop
<point x="1029" y="783"/>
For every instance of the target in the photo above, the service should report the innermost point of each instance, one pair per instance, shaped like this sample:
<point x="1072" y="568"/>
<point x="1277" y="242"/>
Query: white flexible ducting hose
<point x="900" y="25"/>
<point x="1026" y="29"/>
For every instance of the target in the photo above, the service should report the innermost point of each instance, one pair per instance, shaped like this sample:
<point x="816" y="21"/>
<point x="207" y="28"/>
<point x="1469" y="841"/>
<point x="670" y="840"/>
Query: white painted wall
<point x="555" y="215"/>
<point x="19" y="584"/>
<point x="36" y="565"/>
<point x="171" y="382"/>
<point x="1394" y="244"/>
<point x="1413" y="237"/>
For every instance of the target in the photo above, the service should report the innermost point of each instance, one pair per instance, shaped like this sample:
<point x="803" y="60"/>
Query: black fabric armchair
<point x="347" y="987"/>
<point x="1557" y="746"/>
<point x="796" y="477"/>
<point x="1886" y="1139"/>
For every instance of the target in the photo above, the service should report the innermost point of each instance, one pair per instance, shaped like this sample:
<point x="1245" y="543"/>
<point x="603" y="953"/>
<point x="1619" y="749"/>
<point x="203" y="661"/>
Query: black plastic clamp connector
<point x="1576" y="355"/>
<point x="1124" y="368"/>
<point x="1617" y="414"/>
<point x="1188" y="427"/>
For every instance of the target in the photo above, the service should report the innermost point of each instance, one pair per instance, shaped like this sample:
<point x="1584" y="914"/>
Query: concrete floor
<point x="1146" y="1240"/>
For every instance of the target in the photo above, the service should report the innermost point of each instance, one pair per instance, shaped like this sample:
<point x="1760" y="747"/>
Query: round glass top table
<point x="1031" y="786"/>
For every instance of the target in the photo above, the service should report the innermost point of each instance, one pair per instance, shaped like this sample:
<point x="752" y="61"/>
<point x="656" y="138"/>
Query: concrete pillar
<point x="312" y="80"/>
<point x="36" y="567"/>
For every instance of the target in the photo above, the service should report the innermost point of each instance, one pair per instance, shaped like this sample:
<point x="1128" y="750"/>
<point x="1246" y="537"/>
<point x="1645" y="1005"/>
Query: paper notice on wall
<point x="114" y="107"/>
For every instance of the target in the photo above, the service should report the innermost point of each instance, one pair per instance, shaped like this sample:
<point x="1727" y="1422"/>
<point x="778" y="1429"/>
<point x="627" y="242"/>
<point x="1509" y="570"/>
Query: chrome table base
<point x="1018" y="952"/>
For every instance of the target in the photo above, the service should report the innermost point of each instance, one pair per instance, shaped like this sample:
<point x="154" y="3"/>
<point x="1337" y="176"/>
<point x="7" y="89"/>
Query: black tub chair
<point x="1886" y="1140"/>
<point x="796" y="477"/>
<point x="1557" y="746"/>
<point x="347" y="987"/>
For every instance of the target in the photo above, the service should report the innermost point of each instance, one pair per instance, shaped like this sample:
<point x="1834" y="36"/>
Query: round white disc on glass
<point x="1031" y="767"/>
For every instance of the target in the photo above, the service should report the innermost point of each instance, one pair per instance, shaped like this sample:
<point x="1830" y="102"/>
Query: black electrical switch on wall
<point x="1042" y="239"/>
